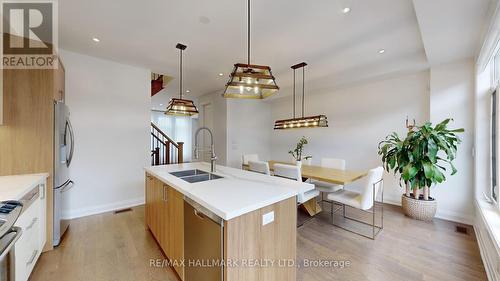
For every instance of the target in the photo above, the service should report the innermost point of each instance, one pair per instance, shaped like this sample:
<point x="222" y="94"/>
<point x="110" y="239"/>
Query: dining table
<point x="323" y="174"/>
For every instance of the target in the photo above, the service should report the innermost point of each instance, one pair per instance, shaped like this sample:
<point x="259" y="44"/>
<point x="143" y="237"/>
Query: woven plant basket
<point x="419" y="209"/>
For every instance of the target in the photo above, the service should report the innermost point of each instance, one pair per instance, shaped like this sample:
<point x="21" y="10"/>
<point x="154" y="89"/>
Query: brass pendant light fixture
<point x="249" y="81"/>
<point x="180" y="106"/>
<point x="304" y="121"/>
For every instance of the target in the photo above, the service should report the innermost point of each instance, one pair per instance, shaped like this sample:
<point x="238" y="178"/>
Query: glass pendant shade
<point x="250" y="82"/>
<point x="302" y="122"/>
<point x="181" y="107"/>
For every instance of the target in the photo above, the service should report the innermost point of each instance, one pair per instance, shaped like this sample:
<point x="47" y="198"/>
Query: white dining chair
<point x="325" y="187"/>
<point x="249" y="157"/>
<point x="364" y="200"/>
<point x="295" y="173"/>
<point x="259" y="167"/>
<point x="288" y="171"/>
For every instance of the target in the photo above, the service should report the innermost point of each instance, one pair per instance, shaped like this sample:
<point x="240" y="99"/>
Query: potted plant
<point x="297" y="152"/>
<point x="420" y="161"/>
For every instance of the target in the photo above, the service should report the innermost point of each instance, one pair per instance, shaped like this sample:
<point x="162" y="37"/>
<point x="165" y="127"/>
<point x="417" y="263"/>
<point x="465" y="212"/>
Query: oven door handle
<point x="7" y="249"/>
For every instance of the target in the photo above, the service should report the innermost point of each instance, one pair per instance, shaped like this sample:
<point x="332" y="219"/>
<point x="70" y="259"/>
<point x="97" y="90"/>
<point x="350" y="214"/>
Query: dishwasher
<point x="203" y="244"/>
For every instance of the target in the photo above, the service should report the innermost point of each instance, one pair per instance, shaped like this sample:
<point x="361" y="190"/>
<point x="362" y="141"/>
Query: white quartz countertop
<point x="237" y="193"/>
<point x="15" y="187"/>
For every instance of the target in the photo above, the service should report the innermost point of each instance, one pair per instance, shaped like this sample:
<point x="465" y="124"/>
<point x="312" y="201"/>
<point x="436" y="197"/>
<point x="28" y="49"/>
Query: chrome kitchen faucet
<point x="212" y="147"/>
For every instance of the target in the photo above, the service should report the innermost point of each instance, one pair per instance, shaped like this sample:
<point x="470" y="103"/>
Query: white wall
<point x="249" y="130"/>
<point x="219" y="109"/>
<point x="110" y="112"/>
<point x="359" y="118"/>
<point x="483" y="132"/>
<point x="452" y="96"/>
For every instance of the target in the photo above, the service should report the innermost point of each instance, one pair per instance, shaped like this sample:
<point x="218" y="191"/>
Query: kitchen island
<point x="234" y="223"/>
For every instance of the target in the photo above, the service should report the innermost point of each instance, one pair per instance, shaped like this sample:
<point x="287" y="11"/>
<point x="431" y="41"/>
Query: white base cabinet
<point x="30" y="245"/>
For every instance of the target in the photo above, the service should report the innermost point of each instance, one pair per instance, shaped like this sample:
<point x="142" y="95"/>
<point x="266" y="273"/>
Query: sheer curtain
<point x="178" y="128"/>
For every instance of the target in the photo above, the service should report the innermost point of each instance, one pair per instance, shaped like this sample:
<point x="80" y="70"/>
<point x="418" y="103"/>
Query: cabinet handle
<point x="32" y="258"/>
<point x="165" y="196"/>
<point x="198" y="214"/>
<point x="32" y="223"/>
<point x="42" y="186"/>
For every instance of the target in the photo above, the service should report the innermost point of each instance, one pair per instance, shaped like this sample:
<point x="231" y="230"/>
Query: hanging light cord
<point x="303" y="89"/>
<point x="180" y="70"/>
<point x="294" y="94"/>
<point x="248" y="33"/>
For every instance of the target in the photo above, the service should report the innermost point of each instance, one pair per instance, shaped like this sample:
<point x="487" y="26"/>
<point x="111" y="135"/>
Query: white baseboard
<point x="94" y="210"/>
<point x="441" y="214"/>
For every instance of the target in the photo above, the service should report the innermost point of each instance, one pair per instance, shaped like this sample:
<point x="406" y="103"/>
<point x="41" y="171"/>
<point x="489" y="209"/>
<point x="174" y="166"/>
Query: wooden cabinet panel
<point x="59" y="77"/>
<point x="164" y="219"/>
<point x="176" y="230"/>
<point x="157" y="209"/>
<point x="149" y="187"/>
<point x="245" y="238"/>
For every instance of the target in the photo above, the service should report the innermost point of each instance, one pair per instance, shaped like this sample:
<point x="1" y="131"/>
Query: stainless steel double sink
<point x="193" y="176"/>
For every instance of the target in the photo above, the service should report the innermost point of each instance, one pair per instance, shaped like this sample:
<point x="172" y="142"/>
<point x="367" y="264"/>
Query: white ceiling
<point x="341" y="49"/>
<point x="451" y="29"/>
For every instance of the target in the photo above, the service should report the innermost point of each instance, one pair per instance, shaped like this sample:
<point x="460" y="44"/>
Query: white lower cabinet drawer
<point x="28" y="248"/>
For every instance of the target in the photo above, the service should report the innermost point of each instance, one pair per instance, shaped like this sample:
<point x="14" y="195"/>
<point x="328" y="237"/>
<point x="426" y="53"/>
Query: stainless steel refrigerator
<point x="64" y="146"/>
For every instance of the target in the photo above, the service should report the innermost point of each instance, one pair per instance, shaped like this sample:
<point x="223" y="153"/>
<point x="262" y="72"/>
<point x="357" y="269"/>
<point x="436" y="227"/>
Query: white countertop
<point x="237" y="193"/>
<point x="15" y="187"/>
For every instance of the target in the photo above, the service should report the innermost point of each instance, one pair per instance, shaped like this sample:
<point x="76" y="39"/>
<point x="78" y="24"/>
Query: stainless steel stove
<point x="9" y="212"/>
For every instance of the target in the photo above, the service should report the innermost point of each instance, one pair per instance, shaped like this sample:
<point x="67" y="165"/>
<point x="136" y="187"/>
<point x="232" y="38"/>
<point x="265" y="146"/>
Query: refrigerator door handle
<point x="64" y="185"/>
<point x="69" y="130"/>
<point x="67" y="186"/>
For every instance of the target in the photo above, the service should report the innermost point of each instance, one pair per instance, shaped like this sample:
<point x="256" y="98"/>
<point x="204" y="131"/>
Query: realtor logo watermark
<point x="29" y="38"/>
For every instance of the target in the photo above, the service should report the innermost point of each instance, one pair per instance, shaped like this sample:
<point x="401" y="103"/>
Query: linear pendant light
<point x="180" y="106"/>
<point x="250" y="81"/>
<point x="301" y="122"/>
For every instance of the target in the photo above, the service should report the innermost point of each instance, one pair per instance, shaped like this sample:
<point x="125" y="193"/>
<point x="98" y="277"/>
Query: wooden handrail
<point x="165" y="136"/>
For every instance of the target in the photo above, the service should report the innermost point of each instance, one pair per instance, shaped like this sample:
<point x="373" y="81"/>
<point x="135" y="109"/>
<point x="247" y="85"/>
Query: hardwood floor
<point x="116" y="247"/>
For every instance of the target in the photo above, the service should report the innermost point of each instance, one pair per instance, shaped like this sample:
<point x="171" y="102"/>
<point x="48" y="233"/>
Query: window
<point x="494" y="146"/>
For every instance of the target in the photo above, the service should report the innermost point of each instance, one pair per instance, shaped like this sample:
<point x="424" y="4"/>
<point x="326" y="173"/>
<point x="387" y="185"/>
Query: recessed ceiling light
<point x="381" y="51"/>
<point x="161" y="104"/>
<point x="95" y="39"/>
<point x="221" y="74"/>
<point x="346" y="10"/>
<point x="188" y="91"/>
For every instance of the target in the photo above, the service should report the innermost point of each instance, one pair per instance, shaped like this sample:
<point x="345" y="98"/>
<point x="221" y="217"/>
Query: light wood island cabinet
<point x="246" y="238"/>
<point x="165" y="218"/>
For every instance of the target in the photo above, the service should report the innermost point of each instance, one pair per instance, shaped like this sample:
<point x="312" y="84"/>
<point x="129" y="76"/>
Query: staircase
<point x="164" y="150"/>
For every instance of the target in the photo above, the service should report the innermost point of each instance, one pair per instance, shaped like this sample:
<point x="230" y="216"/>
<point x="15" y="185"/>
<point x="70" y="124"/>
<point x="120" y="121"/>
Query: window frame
<point x="494" y="146"/>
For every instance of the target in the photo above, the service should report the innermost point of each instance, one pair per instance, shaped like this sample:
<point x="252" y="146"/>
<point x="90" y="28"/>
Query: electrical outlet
<point x="268" y="218"/>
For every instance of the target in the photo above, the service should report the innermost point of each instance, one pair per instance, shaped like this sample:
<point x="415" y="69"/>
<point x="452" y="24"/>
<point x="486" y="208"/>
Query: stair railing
<point x="164" y="150"/>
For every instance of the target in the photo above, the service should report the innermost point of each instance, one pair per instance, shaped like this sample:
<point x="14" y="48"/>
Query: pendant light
<point x="180" y="106"/>
<point x="249" y="81"/>
<point x="301" y="122"/>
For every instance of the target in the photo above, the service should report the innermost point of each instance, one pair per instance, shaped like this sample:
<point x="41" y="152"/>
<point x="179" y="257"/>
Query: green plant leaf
<point x="409" y="172"/>
<point x="428" y="170"/>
